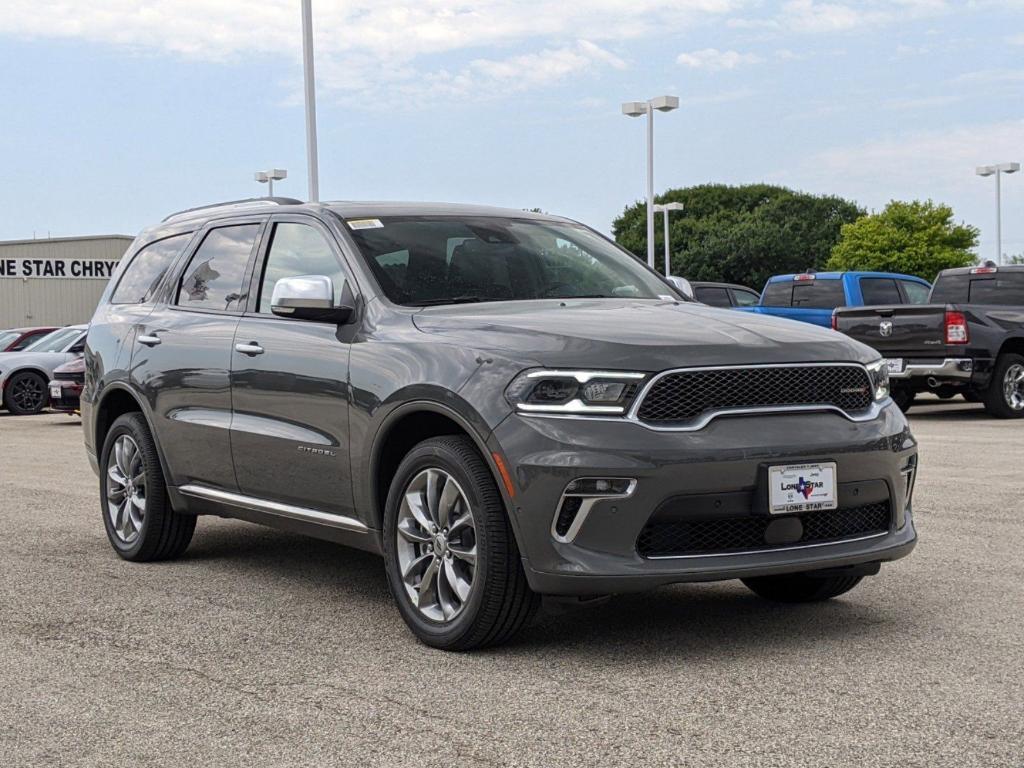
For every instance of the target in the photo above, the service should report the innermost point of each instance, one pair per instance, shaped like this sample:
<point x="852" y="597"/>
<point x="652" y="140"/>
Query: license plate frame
<point x="807" y="487"/>
<point x="894" y="365"/>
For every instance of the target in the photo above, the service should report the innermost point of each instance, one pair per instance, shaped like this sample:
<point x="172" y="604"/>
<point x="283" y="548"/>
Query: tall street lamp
<point x="636" y="109"/>
<point x="310" y="91"/>
<point x="663" y="210"/>
<point x="997" y="170"/>
<point x="269" y="177"/>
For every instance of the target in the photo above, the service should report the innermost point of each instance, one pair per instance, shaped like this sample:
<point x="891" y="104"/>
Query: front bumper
<point x="726" y="459"/>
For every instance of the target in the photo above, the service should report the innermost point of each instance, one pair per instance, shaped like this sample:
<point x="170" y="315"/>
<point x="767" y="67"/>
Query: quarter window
<point x="298" y="249"/>
<point x="745" y="298"/>
<point x="147" y="269"/>
<point x="213" y="278"/>
<point x="916" y="292"/>
<point x="716" y="297"/>
<point x="778" y="294"/>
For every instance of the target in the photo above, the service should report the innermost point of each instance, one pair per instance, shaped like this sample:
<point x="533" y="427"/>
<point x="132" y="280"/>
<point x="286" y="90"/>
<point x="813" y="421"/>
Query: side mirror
<point x="682" y="285"/>
<point x="308" y="297"/>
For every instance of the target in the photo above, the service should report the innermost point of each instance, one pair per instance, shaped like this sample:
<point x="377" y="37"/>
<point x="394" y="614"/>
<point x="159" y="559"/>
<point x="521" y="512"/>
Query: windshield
<point x="6" y="337"/>
<point x="425" y="260"/>
<point x="56" y="341"/>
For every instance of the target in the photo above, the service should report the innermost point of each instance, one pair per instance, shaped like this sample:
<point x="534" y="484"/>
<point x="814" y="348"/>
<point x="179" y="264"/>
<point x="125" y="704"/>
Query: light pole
<point x="636" y="109"/>
<point x="997" y="170"/>
<point x="310" y="89"/>
<point x="269" y="177"/>
<point x="663" y="210"/>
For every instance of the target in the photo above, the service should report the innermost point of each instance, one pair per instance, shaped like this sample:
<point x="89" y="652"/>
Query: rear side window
<point x="916" y="292"/>
<point x="716" y="297"/>
<point x="778" y="294"/>
<point x="1003" y="288"/>
<point x="147" y="269"/>
<point x="951" y="289"/>
<point x="745" y="298"/>
<point x="819" y="294"/>
<point x="880" y="290"/>
<point x="214" y="275"/>
<point x="30" y="338"/>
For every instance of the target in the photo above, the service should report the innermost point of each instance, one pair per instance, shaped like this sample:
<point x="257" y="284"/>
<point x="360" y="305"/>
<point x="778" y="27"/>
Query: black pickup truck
<point x="969" y="339"/>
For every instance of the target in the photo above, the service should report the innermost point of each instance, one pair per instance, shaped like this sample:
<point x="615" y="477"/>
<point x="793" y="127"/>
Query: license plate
<point x="894" y="365"/>
<point x="802" y="488"/>
<point x="55" y="390"/>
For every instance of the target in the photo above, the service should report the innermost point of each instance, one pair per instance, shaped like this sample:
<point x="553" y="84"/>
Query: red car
<point x="16" y="339"/>
<point x="66" y="386"/>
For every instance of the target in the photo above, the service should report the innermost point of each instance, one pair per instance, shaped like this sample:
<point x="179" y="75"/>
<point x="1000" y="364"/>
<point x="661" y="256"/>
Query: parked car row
<point x="27" y="376"/>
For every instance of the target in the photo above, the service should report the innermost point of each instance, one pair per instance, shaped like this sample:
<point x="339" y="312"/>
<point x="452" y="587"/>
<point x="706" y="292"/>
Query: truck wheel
<point x="904" y="398"/>
<point x="1005" y="396"/>
<point x="25" y="394"/>
<point x="451" y="558"/>
<point x="137" y="514"/>
<point x="801" y="587"/>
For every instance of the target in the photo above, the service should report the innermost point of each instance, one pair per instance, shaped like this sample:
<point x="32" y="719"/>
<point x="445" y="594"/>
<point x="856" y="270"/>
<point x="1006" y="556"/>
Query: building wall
<point x="56" y="281"/>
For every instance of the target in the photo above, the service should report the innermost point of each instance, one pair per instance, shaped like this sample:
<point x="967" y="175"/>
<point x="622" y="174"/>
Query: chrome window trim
<point x="274" y="508"/>
<point x="769" y="550"/>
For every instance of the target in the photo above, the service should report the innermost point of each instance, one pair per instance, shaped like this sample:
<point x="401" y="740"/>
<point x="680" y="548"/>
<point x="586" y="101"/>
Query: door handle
<point x="252" y="349"/>
<point x="149" y="341"/>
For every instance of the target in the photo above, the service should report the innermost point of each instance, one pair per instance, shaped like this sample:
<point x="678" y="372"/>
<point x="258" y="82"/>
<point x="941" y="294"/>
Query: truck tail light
<point x="956" y="328"/>
<point x="835" y="321"/>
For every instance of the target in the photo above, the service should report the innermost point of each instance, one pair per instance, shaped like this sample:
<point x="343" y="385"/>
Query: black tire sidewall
<point x="14" y="409"/>
<point x="435" y="453"/>
<point x="995" y="398"/>
<point x="133" y="425"/>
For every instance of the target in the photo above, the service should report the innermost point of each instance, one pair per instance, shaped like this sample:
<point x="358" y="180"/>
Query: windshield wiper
<point x="451" y="300"/>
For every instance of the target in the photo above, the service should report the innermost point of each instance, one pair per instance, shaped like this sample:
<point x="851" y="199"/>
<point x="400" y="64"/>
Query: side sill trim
<point x="275" y="508"/>
<point x="771" y="550"/>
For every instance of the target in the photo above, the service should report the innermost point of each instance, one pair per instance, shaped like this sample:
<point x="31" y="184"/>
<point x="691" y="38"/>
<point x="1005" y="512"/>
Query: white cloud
<point x="715" y="60"/>
<point x="816" y="17"/>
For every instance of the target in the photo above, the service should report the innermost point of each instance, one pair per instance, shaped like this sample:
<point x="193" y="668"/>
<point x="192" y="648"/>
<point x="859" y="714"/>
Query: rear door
<point x="289" y="380"/>
<point x="182" y="352"/>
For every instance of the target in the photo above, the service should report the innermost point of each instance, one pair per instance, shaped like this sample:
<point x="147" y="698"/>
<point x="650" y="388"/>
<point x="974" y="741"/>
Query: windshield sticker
<point x="364" y="223"/>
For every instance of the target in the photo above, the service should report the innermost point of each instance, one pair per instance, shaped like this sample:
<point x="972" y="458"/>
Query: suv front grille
<point x="683" y="397"/>
<point x="744" y="534"/>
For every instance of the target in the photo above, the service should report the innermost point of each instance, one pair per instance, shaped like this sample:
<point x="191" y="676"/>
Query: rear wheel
<point x="801" y="587"/>
<point x="451" y="558"/>
<point x="1005" y="396"/>
<point x="25" y="394"/>
<point x="904" y="398"/>
<point x="137" y="514"/>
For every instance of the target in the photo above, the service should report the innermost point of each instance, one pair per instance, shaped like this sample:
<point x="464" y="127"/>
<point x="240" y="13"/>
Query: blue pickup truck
<point x="812" y="296"/>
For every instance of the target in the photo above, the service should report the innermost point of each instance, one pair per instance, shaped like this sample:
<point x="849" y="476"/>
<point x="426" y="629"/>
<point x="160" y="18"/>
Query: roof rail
<point x="249" y="202"/>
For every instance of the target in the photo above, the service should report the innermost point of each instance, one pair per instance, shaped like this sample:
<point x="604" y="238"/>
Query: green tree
<point x="915" y="238"/>
<point x="742" y="234"/>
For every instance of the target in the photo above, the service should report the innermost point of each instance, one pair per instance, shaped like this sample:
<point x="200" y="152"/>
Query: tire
<point x="25" y="394"/>
<point x="801" y="587"/>
<point x="154" y="531"/>
<point x="1004" y="398"/>
<point x="904" y="398"/>
<point x="972" y="396"/>
<point x="443" y="613"/>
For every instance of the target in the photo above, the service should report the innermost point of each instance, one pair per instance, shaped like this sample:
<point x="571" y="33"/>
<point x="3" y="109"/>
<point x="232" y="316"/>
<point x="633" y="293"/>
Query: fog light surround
<point x="580" y="496"/>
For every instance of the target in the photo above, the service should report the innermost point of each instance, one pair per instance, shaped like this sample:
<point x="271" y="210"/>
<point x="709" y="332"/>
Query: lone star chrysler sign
<point x="94" y="269"/>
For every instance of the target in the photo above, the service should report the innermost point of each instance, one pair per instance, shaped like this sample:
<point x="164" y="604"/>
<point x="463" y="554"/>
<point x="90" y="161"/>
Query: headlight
<point x="579" y="392"/>
<point x="879" y="373"/>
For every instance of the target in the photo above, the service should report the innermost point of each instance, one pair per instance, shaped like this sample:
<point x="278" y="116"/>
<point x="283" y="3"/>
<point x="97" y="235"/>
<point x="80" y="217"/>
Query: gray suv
<point x="503" y="404"/>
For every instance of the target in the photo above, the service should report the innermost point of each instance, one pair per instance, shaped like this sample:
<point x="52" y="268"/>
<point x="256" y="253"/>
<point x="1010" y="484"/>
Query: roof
<point x="967" y="270"/>
<point x="707" y="284"/>
<point x="42" y="240"/>
<point x="839" y="275"/>
<point x="29" y="328"/>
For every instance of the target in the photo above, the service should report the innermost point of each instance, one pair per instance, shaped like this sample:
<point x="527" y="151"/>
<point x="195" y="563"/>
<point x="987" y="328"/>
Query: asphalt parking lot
<point x="264" y="648"/>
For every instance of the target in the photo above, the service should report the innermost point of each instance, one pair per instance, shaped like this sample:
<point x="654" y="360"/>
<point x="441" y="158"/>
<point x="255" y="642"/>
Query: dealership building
<point x="56" y="281"/>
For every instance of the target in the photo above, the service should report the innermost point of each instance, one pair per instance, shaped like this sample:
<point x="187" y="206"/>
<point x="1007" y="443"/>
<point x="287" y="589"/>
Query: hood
<point x="636" y="335"/>
<point x="44" y="361"/>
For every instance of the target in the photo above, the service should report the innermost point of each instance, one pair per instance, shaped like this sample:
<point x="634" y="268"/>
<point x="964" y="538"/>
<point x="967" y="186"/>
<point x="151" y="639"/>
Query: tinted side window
<point x="745" y="298"/>
<point x="716" y="297"/>
<point x="29" y="338"/>
<point x="298" y="249"/>
<point x="1003" y="288"/>
<point x="880" y="290"/>
<point x="819" y="294"/>
<point x="950" y="289"/>
<point x="916" y="293"/>
<point x="147" y="269"/>
<point x="778" y="295"/>
<point x="213" y="278"/>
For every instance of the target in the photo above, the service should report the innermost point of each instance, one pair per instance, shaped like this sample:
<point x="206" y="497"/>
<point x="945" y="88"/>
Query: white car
<point x="24" y="375"/>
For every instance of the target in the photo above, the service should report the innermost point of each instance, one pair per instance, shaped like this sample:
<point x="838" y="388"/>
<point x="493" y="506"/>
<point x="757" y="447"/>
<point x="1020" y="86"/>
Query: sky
<point x="116" y="113"/>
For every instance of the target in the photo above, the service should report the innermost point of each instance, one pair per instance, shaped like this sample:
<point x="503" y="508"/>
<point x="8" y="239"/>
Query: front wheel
<point x="801" y="587"/>
<point x="1004" y="398"/>
<point x="25" y="394"/>
<point x="451" y="558"/>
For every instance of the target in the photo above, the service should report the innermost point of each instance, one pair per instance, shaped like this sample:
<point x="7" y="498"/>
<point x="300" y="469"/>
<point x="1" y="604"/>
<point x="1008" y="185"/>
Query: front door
<point x="289" y="381"/>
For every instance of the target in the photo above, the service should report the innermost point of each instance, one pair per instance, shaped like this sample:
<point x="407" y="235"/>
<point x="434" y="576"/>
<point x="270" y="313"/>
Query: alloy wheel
<point x="28" y="393"/>
<point x="126" y="489"/>
<point x="436" y="545"/>
<point x="1013" y="386"/>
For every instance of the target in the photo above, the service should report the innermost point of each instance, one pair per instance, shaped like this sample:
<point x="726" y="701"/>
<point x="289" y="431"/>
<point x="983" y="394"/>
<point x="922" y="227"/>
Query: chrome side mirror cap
<point x="682" y="285"/>
<point x="308" y="297"/>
